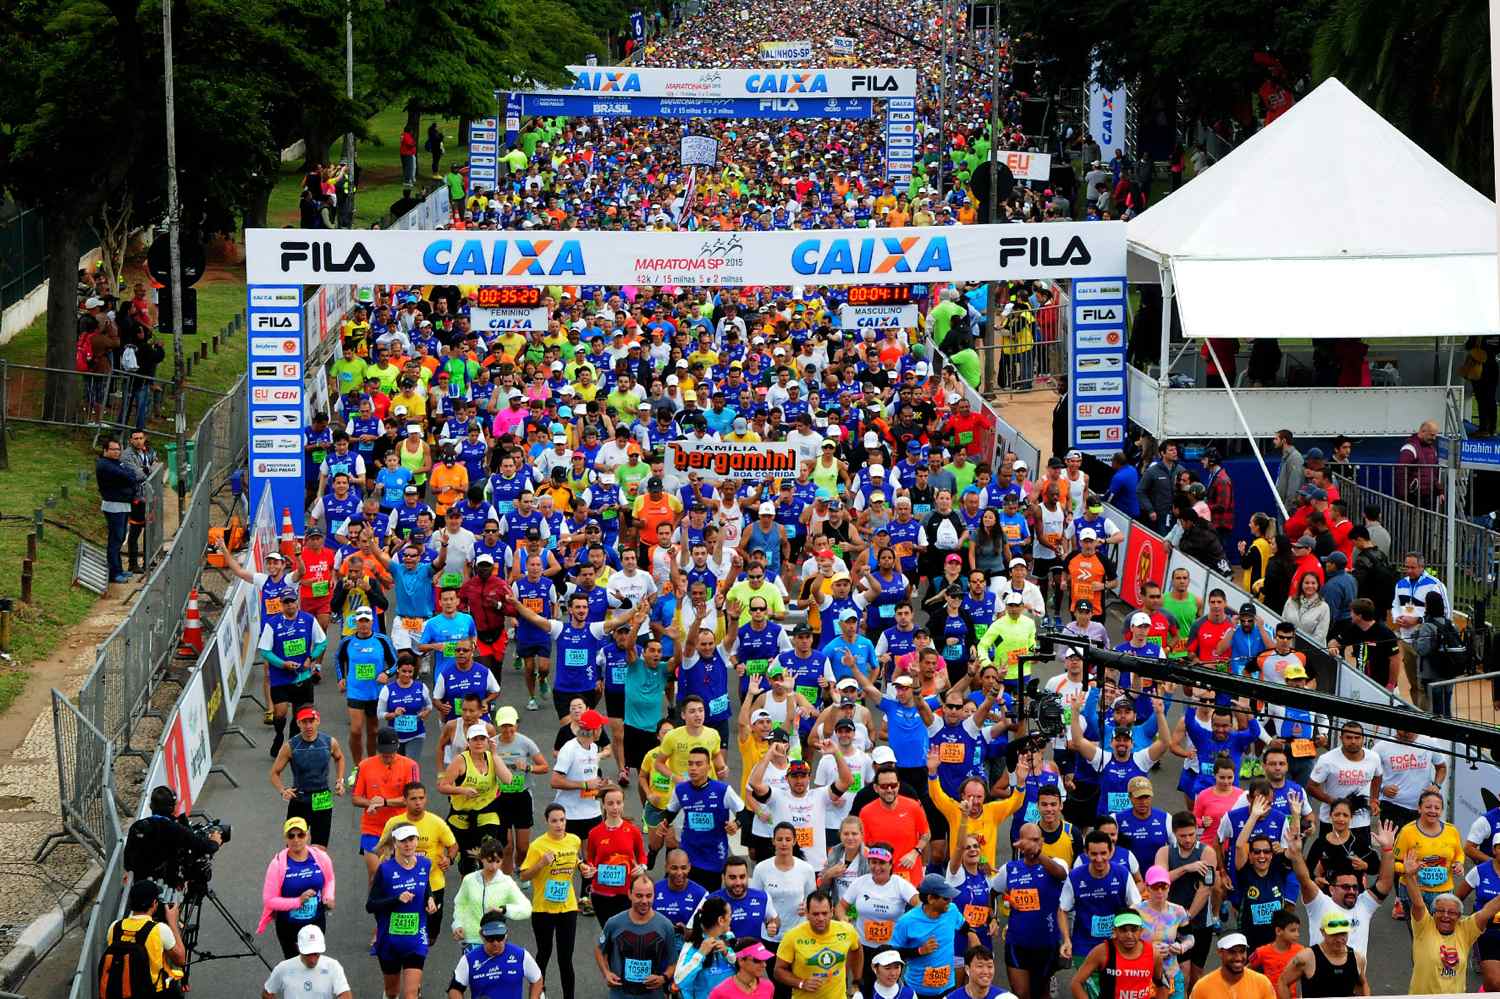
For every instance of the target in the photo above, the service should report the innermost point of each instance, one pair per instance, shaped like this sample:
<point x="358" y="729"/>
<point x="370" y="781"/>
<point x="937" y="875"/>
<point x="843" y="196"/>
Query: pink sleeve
<point x="270" y="892"/>
<point x="325" y="864"/>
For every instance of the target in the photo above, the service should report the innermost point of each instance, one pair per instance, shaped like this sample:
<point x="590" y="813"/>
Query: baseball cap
<point x="307" y="712"/>
<point x="507" y="716"/>
<point x="1088" y="534"/>
<point x="779" y="735"/>
<point x="848" y="614"/>
<point x="404" y="832"/>
<point x="799" y="767"/>
<point x="477" y="731"/>
<point x="1247" y="608"/>
<point x="592" y="719"/>
<point x="886" y="957"/>
<point x="759" y="715"/>
<point x="757" y="952"/>
<point x="273" y="553"/>
<point x="363" y="614"/>
<point x="936" y="884"/>
<point x="1306" y="541"/>
<point x="882" y="755"/>
<point x="485" y="557"/>
<point x="903" y="681"/>
<point x="492" y="930"/>
<point x="1018" y="560"/>
<point x="387" y="740"/>
<point x="1131" y="919"/>
<point x="766" y="510"/>
<point x="1140" y="618"/>
<point x="844" y="723"/>
<point x="1084" y="604"/>
<point x="871" y="439"/>
<point x="801" y="629"/>
<point x="1294" y="672"/>
<point x="1333" y="922"/>
<point x="295" y="822"/>
<point x="1230" y="941"/>
<point x="1157" y="875"/>
<point x="1140" y="787"/>
<point x="310" y="940"/>
<point x="1013" y="598"/>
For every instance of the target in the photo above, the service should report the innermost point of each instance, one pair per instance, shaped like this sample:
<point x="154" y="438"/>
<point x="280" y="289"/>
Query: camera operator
<point x="160" y="846"/>
<point x="144" y="951"/>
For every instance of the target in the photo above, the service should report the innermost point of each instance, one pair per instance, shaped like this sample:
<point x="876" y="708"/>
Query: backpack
<point x="1450" y="656"/>
<point x="125" y="965"/>
<point x="1377" y="577"/>
<point x="83" y="353"/>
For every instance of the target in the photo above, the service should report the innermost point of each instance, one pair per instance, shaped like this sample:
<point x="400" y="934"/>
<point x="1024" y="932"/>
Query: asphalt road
<point x="256" y="813"/>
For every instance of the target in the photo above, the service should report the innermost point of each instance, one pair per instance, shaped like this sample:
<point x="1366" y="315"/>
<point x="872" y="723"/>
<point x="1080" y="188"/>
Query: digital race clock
<point x="880" y="294"/>
<point x="508" y="298"/>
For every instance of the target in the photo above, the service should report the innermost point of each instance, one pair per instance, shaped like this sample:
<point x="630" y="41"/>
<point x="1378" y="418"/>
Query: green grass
<point x="42" y="462"/>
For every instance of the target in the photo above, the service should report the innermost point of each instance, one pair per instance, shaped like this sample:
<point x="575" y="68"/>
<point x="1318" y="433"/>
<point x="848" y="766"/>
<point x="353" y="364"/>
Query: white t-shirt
<point x="881" y="904"/>
<point x="1064" y="688"/>
<point x="828" y="772"/>
<point x="530" y="970"/>
<point x="787" y="889"/>
<point x="1407" y="767"/>
<point x="633" y="588"/>
<point x="808" y="815"/>
<point x="1339" y="777"/>
<point x="291" y="979"/>
<point x="577" y="763"/>
<point x="1365" y="907"/>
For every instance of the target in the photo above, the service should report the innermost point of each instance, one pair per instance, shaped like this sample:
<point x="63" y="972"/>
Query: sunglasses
<point x="296" y="834"/>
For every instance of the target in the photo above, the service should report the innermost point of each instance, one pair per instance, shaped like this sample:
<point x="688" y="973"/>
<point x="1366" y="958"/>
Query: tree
<point x="1425" y="68"/>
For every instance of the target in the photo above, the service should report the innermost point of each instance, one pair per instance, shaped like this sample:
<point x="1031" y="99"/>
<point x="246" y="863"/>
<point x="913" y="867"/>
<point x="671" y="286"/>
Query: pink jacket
<point x="272" y="901"/>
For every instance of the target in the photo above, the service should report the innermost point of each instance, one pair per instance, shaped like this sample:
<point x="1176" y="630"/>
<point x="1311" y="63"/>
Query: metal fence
<point x="109" y="901"/>
<point x="23" y="257"/>
<point x="1028" y="349"/>
<point x="109" y="403"/>
<point x="156" y="501"/>
<point x="85" y="772"/>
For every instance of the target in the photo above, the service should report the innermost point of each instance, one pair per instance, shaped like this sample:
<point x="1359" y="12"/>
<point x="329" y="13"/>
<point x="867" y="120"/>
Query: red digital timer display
<point x="880" y="294"/>
<point x="508" y="297"/>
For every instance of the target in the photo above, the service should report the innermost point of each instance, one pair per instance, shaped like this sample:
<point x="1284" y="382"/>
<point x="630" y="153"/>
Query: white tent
<point x="1327" y="223"/>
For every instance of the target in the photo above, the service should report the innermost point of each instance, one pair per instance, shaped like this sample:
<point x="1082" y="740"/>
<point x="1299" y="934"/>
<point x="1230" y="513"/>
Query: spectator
<point x="1200" y="541"/>
<point x="1372" y="570"/>
<point x="1339" y="455"/>
<point x="1407" y="607"/>
<point x="1308" y="611"/>
<point x="1418" y="478"/>
<point x="434" y="145"/>
<point x="408" y="159"/>
<point x="1155" y="489"/>
<point x="1255" y="555"/>
<point x="1339" y="587"/>
<point x="1435" y="636"/>
<point x="1377" y="531"/>
<point x="117" y="484"/>
<point x="1307" y="562"/>
<point x="142" y="459"/>
<point x="1121" y="491"/>
<point x="1281" y="569"/>
<point x="1220" y="495"/>
<point x="1289" y="475"/>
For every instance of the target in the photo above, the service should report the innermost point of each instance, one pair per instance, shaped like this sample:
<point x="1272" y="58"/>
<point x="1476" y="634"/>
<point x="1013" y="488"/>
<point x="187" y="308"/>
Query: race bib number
<point x="557" y="889"/>
<point x="904" y="549"/>
<point x="405" y="924"/>
<point x="617" y="675"/>
<point x="319" y="455"/>
<point x="953" y="651"/>
<point x="294" y="647"/>
<point x="452" y="579"/>
<point x="1303" y="747"/>
<point x="412" y="624"/>
<point x="1261" y="913"/>
<point x="936" y="977"/>
<point x="637" y="969"/>
<point x="1119" y="801"/>
<point x="804" y="837"/>
<point x="718" y="706"/>
<point x="364" y="671"/>
<point x="612" y="875"/>
<point x="756" y="667"/>
<point x="576" y="658"/>
<point x="273" y="606"/>
<point x="660" y="781"/>
<point x="952" y="752"/>
<point x="321" y="801"/>
<point x="405" y="723"/>
<point x="700" y="821"/>
<point x="966" y="437"/>
<point x="1026" y="900"/>
<point x="516" y="783"/>
<point x="810" y="693"/>
<point x="878" y="931"/>
<point x="1431" y="877"/>
<point x="319" y="587"/>
<point x="856" y="782"/>
<point x="1250" y="767"/>
<point x="1101" y="926"/>
<point x="307" y="910"/>
<point x="1032" y="812"/>
<point x="976" y="915"/>
<point x="886" y="610"/>
<point x="533" y="604"/>
<point x="450" y="649"/>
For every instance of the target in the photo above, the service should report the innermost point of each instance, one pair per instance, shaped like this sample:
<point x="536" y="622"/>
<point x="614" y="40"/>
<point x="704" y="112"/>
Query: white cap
<point x="758" y="714"/>
<point x="1018" y="463"/>
<point x="882" y="754"/>
<point x="872" y="439"/>
<point x="877" y="470"/>
<point x="414" y="428"/>
<point x="484" y="557"/>
<point x="1013" y="598"/>
<point x="1138" y="618"/>
<point x="404" y="832"/>
<point x="849" y="683"/>
<point x="1230" y="941"/>
<point x="310" y="941"/>
<point x="557" y="365"/>
<point x="767" y="510"/>
<point x="476" y="731"/>
<point x="903" y="681"/>
<point x="672" y="380"/>
<point x="1088" y="534"/>
<point x="1018" y="560"/>
<point x="880" y="960"/>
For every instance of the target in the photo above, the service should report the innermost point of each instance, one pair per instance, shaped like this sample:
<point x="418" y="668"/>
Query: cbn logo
<point x="786" y="83"/>
<point x="603" y="83"/>
<point x="874" y="255"/>
<point x="489" y="257"/>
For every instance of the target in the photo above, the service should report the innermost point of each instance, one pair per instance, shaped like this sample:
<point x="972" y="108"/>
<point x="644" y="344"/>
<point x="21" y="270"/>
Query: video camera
<point x="175" y="852"/>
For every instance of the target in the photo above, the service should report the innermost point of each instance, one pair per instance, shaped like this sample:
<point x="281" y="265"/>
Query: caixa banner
<point x="1048" y="250"/>
<point x="650" y="81"/>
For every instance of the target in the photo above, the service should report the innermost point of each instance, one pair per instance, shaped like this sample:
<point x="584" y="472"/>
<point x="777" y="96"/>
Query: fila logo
<point x="1037" y="251"/>
<point x="321" y="256"/>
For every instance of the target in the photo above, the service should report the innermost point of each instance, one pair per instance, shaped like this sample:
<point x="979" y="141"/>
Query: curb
<point x="48" y="929"/>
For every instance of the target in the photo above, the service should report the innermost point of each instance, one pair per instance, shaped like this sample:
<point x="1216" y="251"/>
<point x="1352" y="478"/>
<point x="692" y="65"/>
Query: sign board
<point x="696" y="84"/>
<point x="484" y="154"/>
<point x="841" y="45"/>
<point x="506" y="320"/>
<point x="878" y="317"/>
<point x="637" y="29"/>
<point x="1480" y="455"/>
<point x="727" y="460"/>
<point x="630" y="106"/>
<point x="900" y="139"/>
<point x="1096" y="354"/>
<point x="274" y="384"/>
<point x="699" y="150"/>
<point x="786" y="51"/>
<point x="1026" y="166"/>
<point x="1107" y="109"/>
<point x="914" y="255"/>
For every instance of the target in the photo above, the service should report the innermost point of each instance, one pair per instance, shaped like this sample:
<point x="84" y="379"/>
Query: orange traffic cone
<point x="288" y="539"/>
<point x="191" y="646"/>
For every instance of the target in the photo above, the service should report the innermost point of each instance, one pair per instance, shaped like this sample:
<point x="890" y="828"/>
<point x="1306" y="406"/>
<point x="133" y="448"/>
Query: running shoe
<point x="531" y="704"/>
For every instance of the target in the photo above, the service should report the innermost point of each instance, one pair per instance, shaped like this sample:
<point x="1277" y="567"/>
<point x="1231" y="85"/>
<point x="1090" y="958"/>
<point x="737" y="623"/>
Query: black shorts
<point x="1488" y="946"/>
<point x="614" y="704"/>
<point x="533" y="652"/>
<point x="398" y="963"/>
<point x="1039" y="962"/>
<point x="638" y="742"/>
<point x="358" y="704"/>
<point x="561" y="698"/>
<point x="514" y="809"/>
<point x="295" y="694"/>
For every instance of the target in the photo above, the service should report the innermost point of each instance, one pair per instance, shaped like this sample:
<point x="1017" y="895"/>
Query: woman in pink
<point x="298" y="889"/>
<point x="1213" y="803"/>
<point x="749" y="979"/>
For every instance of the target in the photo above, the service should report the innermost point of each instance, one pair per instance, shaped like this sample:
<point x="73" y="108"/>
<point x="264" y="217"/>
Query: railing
<point x="1004" y="436"/>
<point x="1473" y="697"/>
<point x="156" y="495"/>
<point x="23" y="256"/>
<point x="109" y="403"/>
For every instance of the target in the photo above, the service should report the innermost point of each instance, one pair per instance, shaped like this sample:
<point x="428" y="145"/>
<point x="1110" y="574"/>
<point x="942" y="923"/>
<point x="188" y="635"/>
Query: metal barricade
<point x="1473" y="697"/>
<point x="108" y="906"/>
<point x="85" y="781"/>
<point x="156" y="495"/>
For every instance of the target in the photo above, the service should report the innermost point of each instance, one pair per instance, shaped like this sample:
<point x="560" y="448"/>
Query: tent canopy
<point x="1328" y="223"/>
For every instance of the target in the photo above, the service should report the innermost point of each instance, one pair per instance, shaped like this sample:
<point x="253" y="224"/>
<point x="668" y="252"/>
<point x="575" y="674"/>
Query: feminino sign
<point x="732" y="461"/>
<point x="1039" y="251"/>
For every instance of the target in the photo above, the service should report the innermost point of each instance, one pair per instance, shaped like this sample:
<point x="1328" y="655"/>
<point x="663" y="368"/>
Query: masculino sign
<point x="1040" y="251"/>
<point x="878" y="317"/>
<point x="728" y="460"/>
<point x="709" y="83"/>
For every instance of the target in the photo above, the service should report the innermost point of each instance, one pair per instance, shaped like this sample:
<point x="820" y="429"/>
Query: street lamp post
<point x="174" y="246"/>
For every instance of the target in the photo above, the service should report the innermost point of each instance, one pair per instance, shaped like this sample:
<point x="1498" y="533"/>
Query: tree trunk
<point x="60" y="402"/>
<point x="464" y="121"/>
<point x="257" y="213"/>
<point x="414" y="123"/>
<point x="316" y="141"/>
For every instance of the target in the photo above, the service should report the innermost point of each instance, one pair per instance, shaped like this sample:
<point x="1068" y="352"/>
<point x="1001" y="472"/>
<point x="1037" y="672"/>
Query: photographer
<point x="160" y="847"/>
<point x="143" y="952"/>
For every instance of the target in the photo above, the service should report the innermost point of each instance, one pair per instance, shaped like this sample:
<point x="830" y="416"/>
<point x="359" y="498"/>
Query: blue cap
<point x="936" y="884"/>
<point x="565" y="412"/>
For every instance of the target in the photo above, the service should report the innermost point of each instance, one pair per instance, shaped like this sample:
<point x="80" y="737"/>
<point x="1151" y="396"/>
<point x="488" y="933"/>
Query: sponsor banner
<point x="1027" y="166"/>
<point x="186" y="754"/>
<point x="1144" y="561"/>
<point x="714" y="460"/>
<point x="280" y="323"/>
<point x="483" y="174"/>
<point x="211" y="667"/>
<point x="786" y="51"/>
<point x="1096" y="355"/>
<point x="699" y="150"/>
<point x="625" y="106"/>
<point x="1476" y="789"/>
<point x="900" y="140"/>
<point x="1107" y="110"/>
<point x="502" y="320"/>
<point x="637" y="27"/>
<point x="700" y="83"/>
<point x="1483" y="455"/>
<point x="841" y="45"/>
<point x="1043" y="251"/>
<point x="877" y="317"/>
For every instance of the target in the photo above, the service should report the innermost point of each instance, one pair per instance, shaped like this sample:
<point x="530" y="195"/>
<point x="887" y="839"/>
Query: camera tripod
<point x="188" y="919"/>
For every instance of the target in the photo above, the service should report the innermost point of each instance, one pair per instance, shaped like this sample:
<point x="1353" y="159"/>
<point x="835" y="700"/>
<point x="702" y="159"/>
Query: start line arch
<point x="280" y="262"/>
